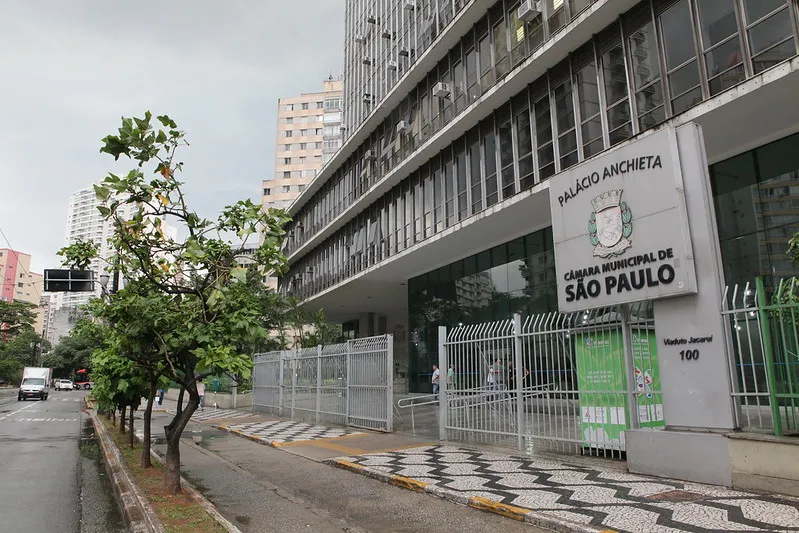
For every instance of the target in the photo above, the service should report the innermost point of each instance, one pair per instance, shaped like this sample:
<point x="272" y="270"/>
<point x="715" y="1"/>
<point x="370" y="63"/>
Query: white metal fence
<point x="764" y="363"/>
<point x="349" y="383"/>
<point x="557" y="382"/>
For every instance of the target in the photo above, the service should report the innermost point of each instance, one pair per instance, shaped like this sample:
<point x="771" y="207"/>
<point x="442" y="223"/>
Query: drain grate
<point x="675" y="496"/>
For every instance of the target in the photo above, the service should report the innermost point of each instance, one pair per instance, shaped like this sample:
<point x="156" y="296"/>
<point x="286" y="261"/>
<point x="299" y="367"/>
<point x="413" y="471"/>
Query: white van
<point x="35" y="383"/>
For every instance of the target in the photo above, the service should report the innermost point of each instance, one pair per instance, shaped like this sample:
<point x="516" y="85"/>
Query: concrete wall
<point x="222" y="399"/>
<point x="764" y="462"/>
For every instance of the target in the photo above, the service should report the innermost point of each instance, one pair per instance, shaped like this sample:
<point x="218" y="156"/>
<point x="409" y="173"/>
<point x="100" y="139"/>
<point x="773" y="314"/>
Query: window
<point x="500" y="34"/>
<point x="484" y="57"/>
<point x="301" y="187"/>
<point x="460" y="184"/>
<point x="289" y="133"/>
<point x="472" y="88"/>
<point x="564" y="117"/>
<point x="557" y="15"/>
<point x="320" y="105"/>
<point x="474" y="173"/>
<point x="543" y="132"/>
<point x="721" y="44"/>
<point x="769" y="32"/>
<point x="303" y="146"/>
<point x="303" y="133"/>
<point x="682" y="70"/>
<point x="286" y="160"/>
<point x="318" y="131"/>
<point x="616" y="95"/>
<point x="490" y="158"/>
<point x="289" y="107"/>
<point x="305" y="106"/>
<point x="646" y="77"/>
<point x="449" y="190"/>
<point x="524" y="150"/>
<point x="286" y="188"/>
<point x="506" y="159"/>
<point x="286" y="175"/>
<point x="287" y="147"/>
<point x="590" y="111"/>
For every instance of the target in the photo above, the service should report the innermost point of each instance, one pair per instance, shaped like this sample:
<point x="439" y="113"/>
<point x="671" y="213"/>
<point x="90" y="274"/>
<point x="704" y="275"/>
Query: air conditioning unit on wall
<point x="529" y="10"/>
<point x="442" y="90"/>
<point x="403" y="127"/>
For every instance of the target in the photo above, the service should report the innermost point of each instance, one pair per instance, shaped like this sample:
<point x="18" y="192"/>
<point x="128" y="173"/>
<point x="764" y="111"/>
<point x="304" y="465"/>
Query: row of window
<point x="300" y="120"/>
<point x="285" y="189"/>
<point x="301" y="160"/>
<point x="607" y="91"/>
<point x="304" y="106"/>
<point x="301" y="146"/>
<point x="383" y="40"/>
<point x="660" y="59"/>
<point x="300" y="132"/>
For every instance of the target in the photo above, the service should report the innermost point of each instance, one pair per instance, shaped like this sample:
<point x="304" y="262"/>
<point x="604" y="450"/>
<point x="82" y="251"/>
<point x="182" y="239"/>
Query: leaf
<point x="239" y="274"/>
<point x="164" y="200"/>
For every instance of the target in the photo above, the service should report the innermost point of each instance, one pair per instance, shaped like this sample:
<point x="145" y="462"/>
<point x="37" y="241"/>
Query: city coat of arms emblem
<point x="610" y="224"/>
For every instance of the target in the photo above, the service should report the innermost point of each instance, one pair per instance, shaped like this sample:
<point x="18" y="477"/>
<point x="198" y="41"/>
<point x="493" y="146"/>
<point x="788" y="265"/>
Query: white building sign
<point x="620" y="227"/>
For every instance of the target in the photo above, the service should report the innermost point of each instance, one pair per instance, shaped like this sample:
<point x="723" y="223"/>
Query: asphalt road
<point x="52" y="478"/>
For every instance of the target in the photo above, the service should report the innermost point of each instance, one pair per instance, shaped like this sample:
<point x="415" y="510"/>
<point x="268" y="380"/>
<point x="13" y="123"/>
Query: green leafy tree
<point x="74" y="351"/>
<point x="15" y="317"/>
<point x="204" y="316"/>
<point x="19" y="352"/>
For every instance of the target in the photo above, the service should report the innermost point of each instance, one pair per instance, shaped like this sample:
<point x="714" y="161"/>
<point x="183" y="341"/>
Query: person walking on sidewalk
<point x="436" y="376"/>
<point x="201" y="393"/>
<point x="451" y="377"/>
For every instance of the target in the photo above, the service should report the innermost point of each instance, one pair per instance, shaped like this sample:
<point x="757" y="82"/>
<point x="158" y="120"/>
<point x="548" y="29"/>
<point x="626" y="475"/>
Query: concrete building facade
<point x="308" y="133"/>
<point x="18" y="283"/>
<point x="443" y="177"/>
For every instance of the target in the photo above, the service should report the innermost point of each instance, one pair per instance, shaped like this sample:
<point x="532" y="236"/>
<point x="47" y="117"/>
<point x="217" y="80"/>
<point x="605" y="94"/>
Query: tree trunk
<point x="145" y="443"/>
<point x="131" y="433"/>
<point x="173" y="433"/>
<point x="122" y="411"/>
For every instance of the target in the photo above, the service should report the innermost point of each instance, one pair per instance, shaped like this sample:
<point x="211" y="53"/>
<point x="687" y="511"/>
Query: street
<point x="52" y="477"/>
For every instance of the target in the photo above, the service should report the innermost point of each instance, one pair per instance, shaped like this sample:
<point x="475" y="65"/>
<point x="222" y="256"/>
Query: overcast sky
<point x="69" y="69"/>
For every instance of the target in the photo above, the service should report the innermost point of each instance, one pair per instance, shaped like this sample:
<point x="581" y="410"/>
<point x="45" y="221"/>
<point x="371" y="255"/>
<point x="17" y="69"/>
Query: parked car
<point x="64" y="384"/>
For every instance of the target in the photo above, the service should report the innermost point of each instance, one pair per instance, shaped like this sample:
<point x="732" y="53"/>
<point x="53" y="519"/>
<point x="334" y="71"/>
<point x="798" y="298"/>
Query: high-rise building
<point x="18" y="283"/>
<point x="309" y="132"/>
<point x="85" y="223"/>
<point x="457" y="114"/>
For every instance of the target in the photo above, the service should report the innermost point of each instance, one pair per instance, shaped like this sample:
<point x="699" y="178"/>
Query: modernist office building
<point x="436" y="209"/>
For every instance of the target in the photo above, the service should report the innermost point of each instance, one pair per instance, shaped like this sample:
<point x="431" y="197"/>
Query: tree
<point x="74" y="351"/>
<point x="15" y="318"/>
<point x="202" y="314"/>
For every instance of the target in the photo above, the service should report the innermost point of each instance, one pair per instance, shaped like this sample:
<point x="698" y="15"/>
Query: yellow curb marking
<point x="349" y="464"/>
<point x="408" y="483"/>
<point x="503" y="509"/>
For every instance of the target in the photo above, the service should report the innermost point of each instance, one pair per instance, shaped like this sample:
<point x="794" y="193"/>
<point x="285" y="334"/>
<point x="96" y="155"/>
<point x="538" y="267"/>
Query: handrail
<point x="413" y="403"/>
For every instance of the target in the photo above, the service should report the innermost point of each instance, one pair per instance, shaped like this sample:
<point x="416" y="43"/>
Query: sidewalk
<point x="557" y="492"/>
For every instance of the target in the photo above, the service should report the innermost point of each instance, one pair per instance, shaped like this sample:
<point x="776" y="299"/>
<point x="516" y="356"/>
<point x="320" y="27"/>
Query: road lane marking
<point x="17" y="411"/>
<point x="46" y="420"/>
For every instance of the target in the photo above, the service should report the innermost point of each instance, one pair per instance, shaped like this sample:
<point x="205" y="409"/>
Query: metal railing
<point x="348" y="384"/>
<point x="413" y="402"/>
<point x="764" y="364"/>
<point x="557" y="382"/>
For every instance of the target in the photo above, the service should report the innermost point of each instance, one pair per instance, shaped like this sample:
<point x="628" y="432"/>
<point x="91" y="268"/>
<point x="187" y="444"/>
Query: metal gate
<point x="348" y="384"/>
<point x="557" y="382"/>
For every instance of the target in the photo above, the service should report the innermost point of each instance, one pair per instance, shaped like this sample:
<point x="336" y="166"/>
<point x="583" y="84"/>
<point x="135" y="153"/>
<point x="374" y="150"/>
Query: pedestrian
<point x="496" y="375"/>
<point x="160" y="396"/>
<point x="201" y="393"/>
<point x="436" y="376"/>
<point x="451" y="377"/>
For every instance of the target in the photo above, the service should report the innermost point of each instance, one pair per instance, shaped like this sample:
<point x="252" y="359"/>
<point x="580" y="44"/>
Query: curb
<point x="259" y="440"/>
<point x="139" y="516"/>
<point x="209" y="507"/>
<point x="476" y="502"/>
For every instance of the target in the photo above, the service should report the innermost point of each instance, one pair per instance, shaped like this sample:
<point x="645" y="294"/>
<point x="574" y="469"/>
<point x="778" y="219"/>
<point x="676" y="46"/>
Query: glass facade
<point x="659" y="59"/>
<point x="756" y="195"/>
<point x="757" y="210"/>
